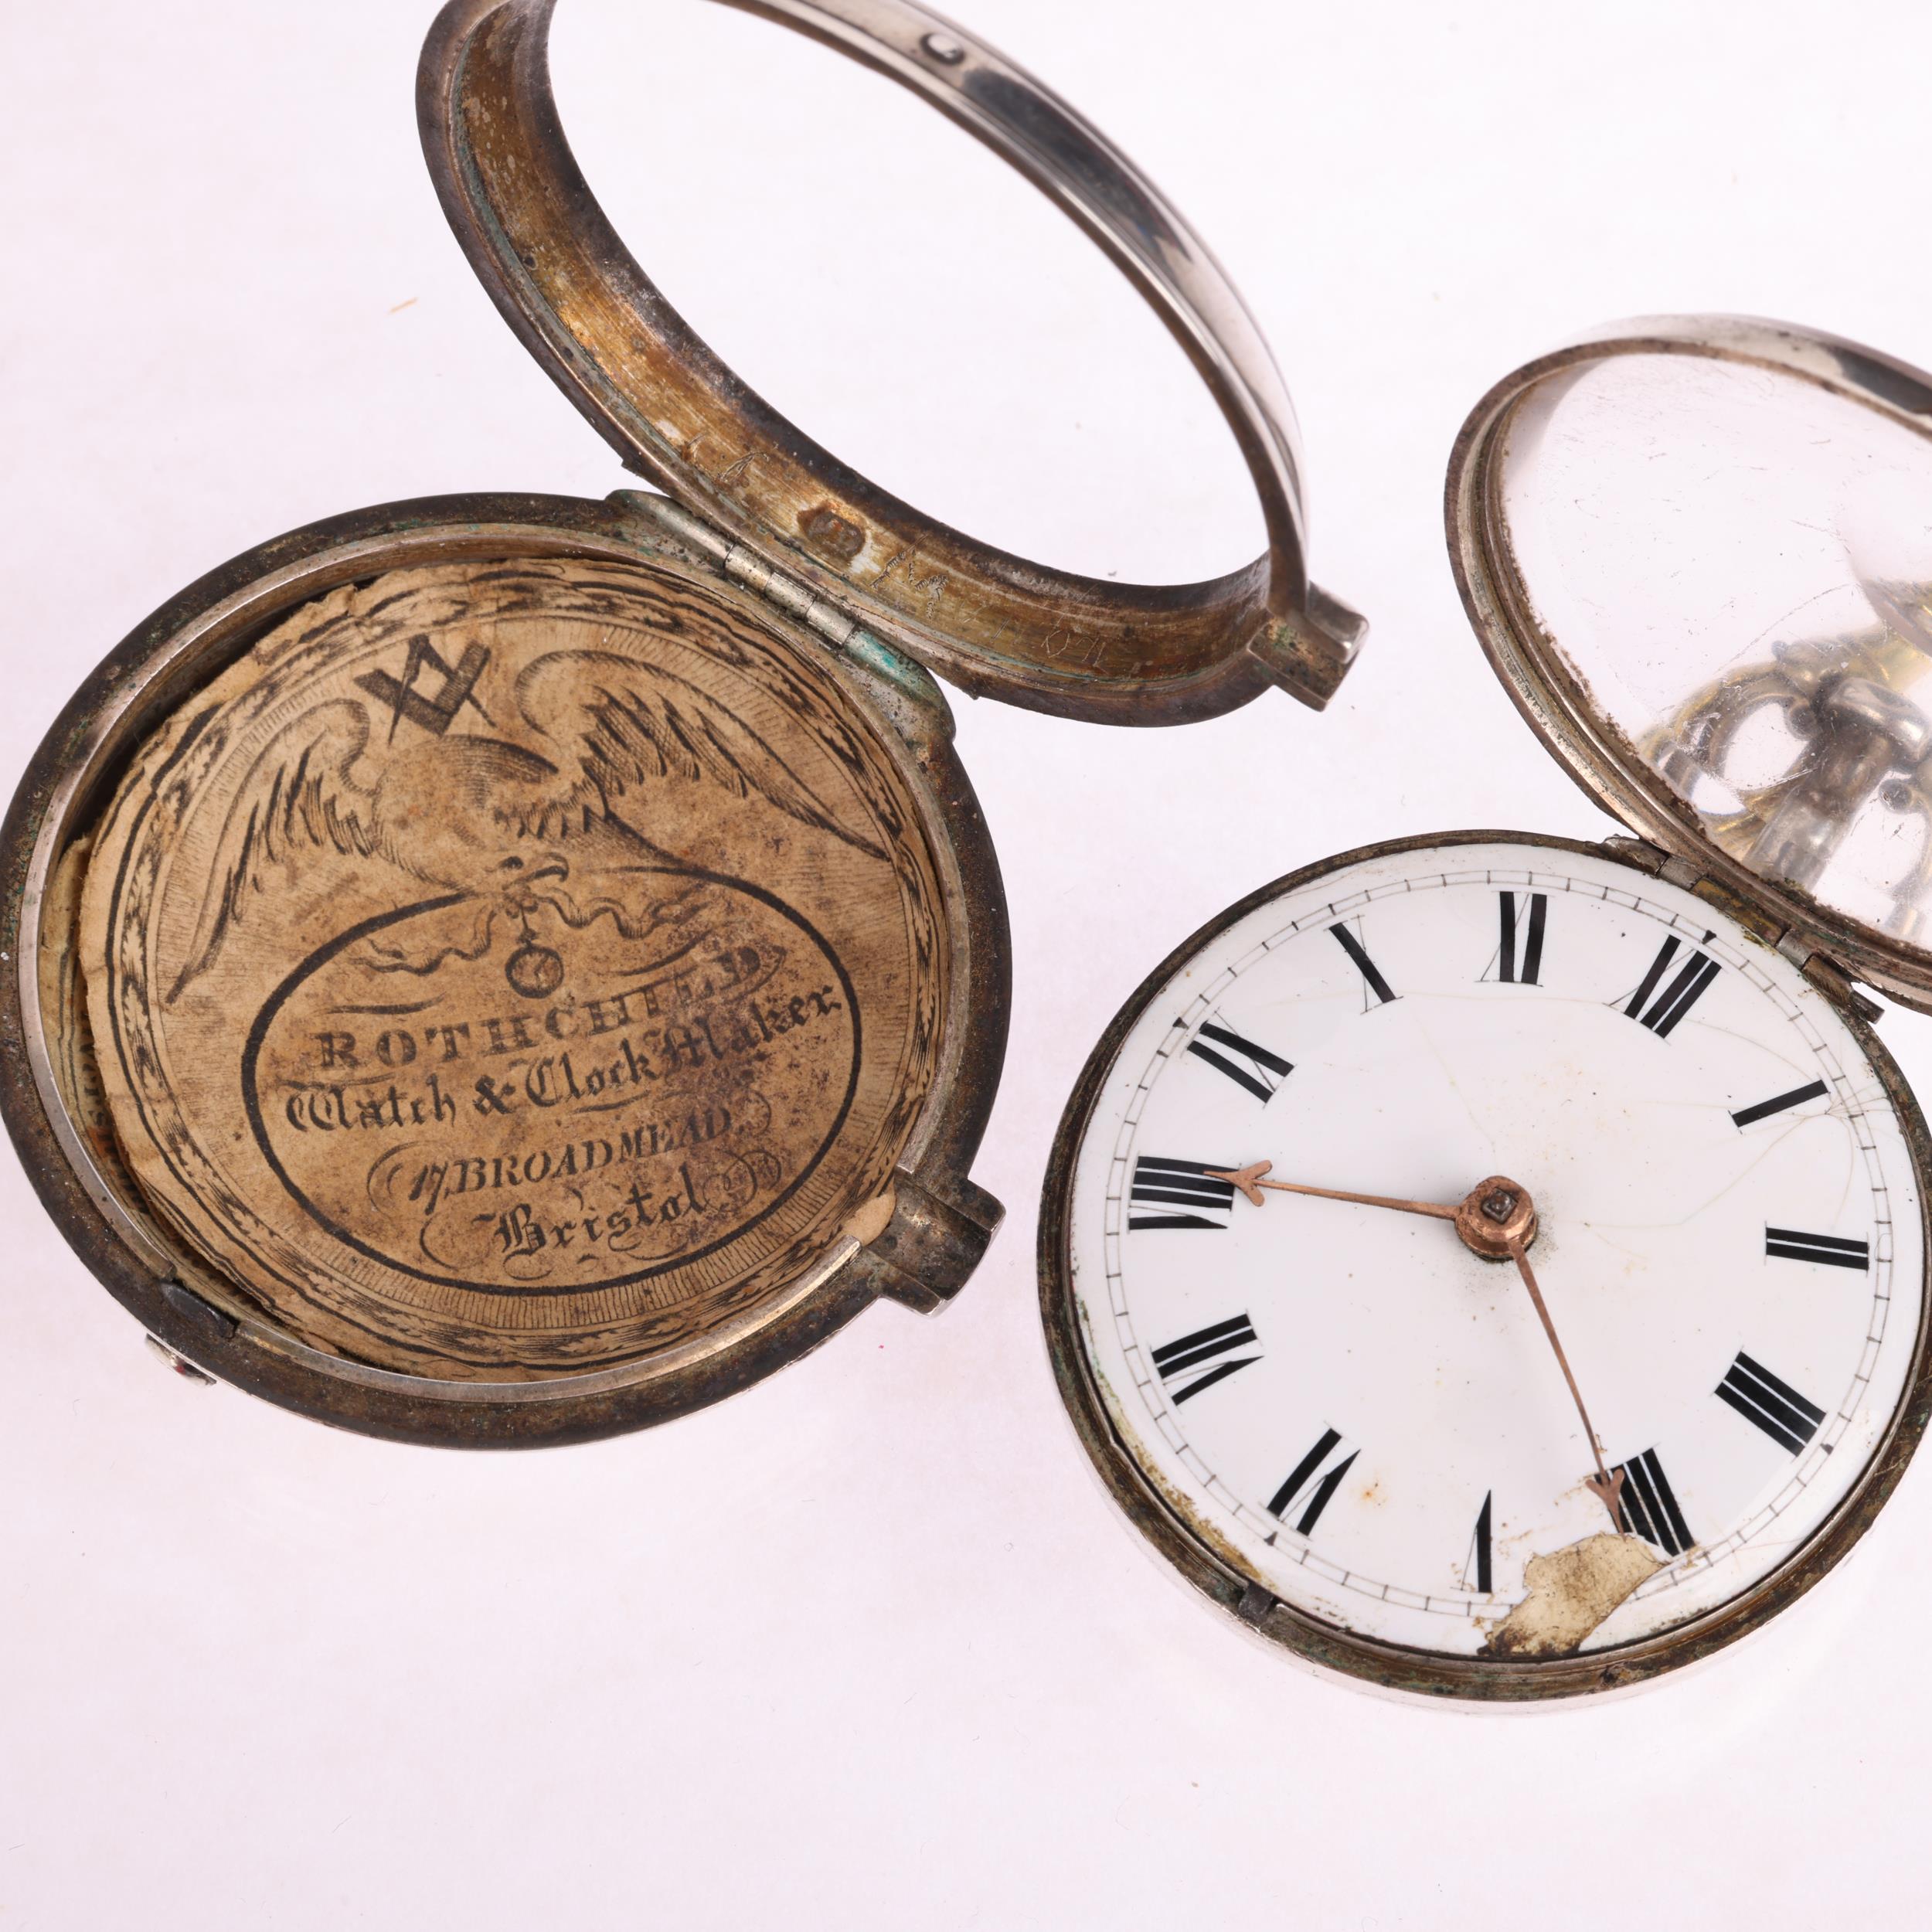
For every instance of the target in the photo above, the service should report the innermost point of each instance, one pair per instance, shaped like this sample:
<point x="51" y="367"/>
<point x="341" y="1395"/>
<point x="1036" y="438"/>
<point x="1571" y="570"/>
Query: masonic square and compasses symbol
<point x="484" y="816"/>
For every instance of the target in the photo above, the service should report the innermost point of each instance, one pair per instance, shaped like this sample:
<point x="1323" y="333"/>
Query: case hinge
<point x="1636" y="851"/>
<point x="1829" y="977"/>
<point x="1655" y="860"/>
<point x="743" y="565"/>
<point x="1823" y="972"/>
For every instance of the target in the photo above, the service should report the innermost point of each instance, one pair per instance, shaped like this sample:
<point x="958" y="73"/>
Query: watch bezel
<point x="1559" y="706"/>
<point x="997" y="624"/>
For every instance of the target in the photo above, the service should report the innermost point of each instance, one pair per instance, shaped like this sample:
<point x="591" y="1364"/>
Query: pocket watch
<point x="1494" y="1267"/>
<point x="497" y="970"/>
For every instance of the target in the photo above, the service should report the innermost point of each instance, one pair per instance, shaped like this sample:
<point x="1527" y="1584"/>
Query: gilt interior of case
<point x="507" y="971"/>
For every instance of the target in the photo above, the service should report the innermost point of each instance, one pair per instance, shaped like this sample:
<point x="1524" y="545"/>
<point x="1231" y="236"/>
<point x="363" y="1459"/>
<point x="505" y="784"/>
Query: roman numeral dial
<point x="1780" y="1104"/>
<point x="1478" y="1573"/>
<point x="1253" y="1068"/>
<point x="1311" y="1483"/>
<point x="1827" y="1251"/>
<point x="1663" y="996"/>
<point x="1788" y="1418"/>
<point x="1379" y="990"/>
<point x="1230" y="1346"/>
<point x="1560" y="1285"/>
<point x="1519" y="957"/>
<point x="1177" y="1194"/>
<point x="1649" y="1505"/>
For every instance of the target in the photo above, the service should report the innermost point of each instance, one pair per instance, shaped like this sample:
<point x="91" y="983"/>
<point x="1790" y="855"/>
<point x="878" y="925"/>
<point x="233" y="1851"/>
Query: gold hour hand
<point x="1496" y="1218"/>
<point x="1250" y="1181"/>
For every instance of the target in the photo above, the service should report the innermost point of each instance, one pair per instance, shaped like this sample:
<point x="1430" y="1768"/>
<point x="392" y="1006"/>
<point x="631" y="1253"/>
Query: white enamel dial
<point x="1349" y="1405"/>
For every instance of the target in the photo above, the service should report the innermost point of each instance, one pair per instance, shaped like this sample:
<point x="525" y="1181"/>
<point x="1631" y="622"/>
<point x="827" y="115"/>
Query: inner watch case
<point x="499" y="970"/>
<point x="1698" y="552"/>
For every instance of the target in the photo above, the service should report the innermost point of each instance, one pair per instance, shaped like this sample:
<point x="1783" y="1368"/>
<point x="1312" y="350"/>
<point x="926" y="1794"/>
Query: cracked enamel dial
<point x="1360" y="1417"/>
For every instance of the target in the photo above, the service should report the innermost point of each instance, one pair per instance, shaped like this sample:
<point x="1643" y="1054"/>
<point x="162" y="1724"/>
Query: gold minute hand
<point x="1249" y="1181"/>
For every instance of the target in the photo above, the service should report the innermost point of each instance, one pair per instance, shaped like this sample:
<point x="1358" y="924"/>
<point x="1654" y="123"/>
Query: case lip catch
<point x="1308" y="655"/>
<point x="929" y="1250"/>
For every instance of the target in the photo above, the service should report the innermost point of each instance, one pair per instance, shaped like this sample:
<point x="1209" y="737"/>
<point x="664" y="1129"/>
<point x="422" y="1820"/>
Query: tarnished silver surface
<point x="1847" y="702"/>
<point x="922" y="1255"/>
<point x="1869" y="742"/>
<point x="996" y="624"/>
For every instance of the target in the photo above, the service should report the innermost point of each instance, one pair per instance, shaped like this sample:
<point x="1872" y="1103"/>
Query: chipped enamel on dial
<point x="1348" y="1406"/>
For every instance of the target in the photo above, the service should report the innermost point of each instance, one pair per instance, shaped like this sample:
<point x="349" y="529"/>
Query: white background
<point x="867" y="1647"/>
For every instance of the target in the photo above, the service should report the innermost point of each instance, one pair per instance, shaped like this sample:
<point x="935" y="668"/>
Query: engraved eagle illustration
<point x="488" y="822"/>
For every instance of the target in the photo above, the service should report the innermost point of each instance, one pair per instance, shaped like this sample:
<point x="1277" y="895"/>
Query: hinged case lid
<point x="994" y="623"/>
<point x="1697" y="551"/>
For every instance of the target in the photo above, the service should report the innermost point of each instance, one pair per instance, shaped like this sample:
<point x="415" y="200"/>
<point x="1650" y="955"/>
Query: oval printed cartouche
<point x="513" y="969"/>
